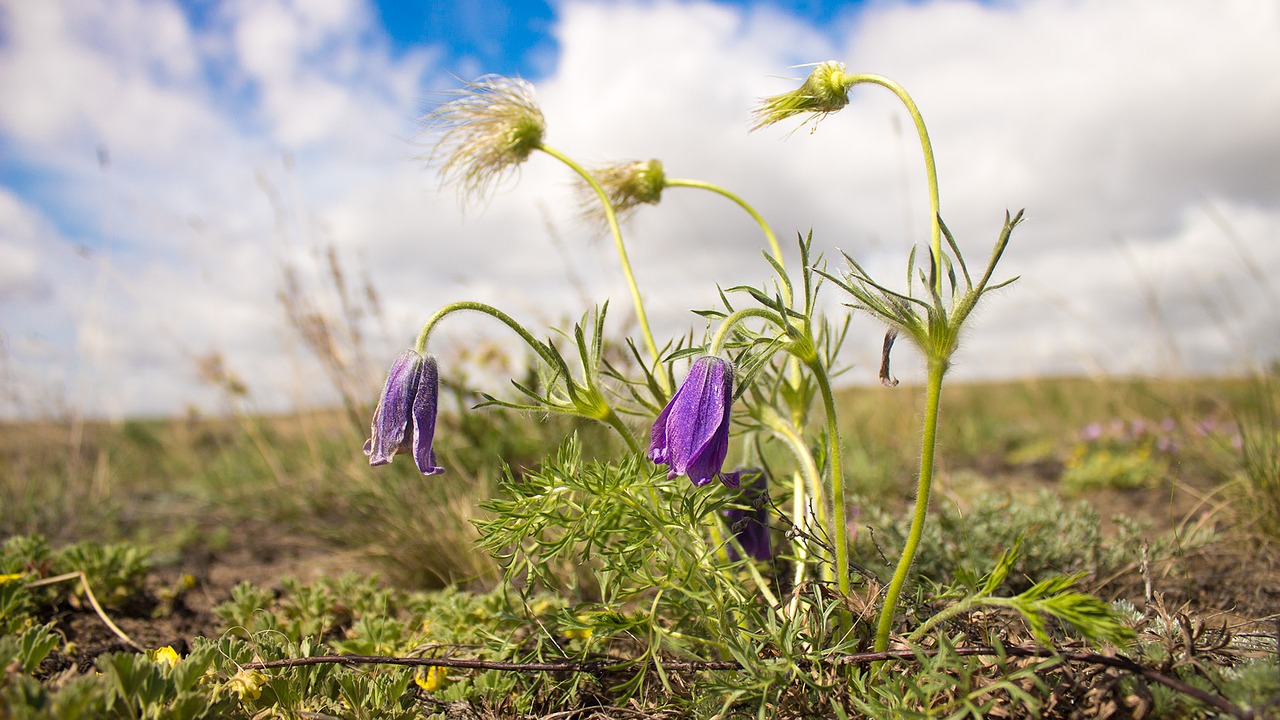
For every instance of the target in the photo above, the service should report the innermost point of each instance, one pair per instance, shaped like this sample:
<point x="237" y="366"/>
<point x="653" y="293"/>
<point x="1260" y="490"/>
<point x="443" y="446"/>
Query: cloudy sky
<point x="169" y="169"/>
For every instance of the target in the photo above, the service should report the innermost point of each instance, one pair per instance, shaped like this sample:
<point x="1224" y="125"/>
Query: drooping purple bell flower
<point x="750" y="526"/>
<point x="691" y="434"/>
<point x="405" y="419"/>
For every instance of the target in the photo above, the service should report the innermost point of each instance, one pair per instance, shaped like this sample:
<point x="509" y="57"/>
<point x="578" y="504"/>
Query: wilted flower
<point x="826" y="90"/>
<point x="627" y="185"/>
<point x="406" y="415"/>
<point x="750" y="527"/>
<point x="489" y="129"/>
<point x="247" y="684"/>
<point x="691" y="434"/>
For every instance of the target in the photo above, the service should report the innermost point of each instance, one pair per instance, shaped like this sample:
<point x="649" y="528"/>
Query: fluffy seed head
<point x="486" y="132"/>
<point x="826" y="90"/>
<point x="627" y="185"/>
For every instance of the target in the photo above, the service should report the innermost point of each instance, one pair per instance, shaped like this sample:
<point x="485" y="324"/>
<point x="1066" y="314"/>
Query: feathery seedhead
<point x="627" y="185"/>
<point x="487" y="131"/>
<point x="826" y="90"/>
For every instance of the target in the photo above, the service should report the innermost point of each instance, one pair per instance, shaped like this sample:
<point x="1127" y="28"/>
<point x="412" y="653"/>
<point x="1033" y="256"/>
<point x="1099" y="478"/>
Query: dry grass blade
<point x="93" y="600"/>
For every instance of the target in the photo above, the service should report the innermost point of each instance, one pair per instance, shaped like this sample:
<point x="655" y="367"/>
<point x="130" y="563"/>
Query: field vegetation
<point x="249" y="538"/>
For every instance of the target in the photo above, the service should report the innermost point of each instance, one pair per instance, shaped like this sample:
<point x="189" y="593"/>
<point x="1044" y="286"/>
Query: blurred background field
<point x="1173" y="454"/>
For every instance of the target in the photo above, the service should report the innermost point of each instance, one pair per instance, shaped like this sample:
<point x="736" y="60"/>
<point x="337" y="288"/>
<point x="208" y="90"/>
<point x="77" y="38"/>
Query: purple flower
<point x="406" y="416"/>
<point x="1091" y="432"/>
<point x="691" y="434"/>
<point x="750" y="527"/>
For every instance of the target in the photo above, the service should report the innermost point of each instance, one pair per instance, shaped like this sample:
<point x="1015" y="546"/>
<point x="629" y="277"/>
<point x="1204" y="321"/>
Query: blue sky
<point x="509" y="38"/>
<point x="517" y="38"/>
<point x="248" y="139"/>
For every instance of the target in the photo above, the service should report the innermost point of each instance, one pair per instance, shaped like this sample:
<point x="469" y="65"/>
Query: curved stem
<point x="535" y="344"/>
<point x="605" y="414"/>
<point x="764" y="226"/>
<point x="959" y="608"/>
<point x="807" y="478"/>
<point x="793" y="365"/>
<point x="930" y="167"/>
<point x="612" y="419"/>
<point x="839" y="533"/>
<point x="808" y="468"/>
<point x="722" y="333"/>
<point x="612" y="218"/>
<point x="932" y="402"/>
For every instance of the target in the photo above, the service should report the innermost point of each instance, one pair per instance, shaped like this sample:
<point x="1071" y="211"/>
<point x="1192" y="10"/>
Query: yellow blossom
<point x="578" y="633"/>
<point x="164" y="656"/>
<point x="430" y="679"/>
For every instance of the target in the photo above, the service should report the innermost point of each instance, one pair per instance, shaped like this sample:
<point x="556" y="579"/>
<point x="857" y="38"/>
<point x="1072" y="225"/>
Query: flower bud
<point x="826" y="90"/>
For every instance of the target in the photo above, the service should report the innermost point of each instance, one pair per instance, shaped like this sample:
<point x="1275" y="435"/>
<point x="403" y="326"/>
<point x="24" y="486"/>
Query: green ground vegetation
<point x="1158" y="498"/>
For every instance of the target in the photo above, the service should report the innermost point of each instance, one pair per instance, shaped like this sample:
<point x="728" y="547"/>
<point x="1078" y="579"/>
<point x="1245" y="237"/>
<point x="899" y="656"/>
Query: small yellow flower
<point x="430" y="679"/>
<point x="164" y="656"/>
<point x="11" y="577"/>
<point x="578" y="633"/>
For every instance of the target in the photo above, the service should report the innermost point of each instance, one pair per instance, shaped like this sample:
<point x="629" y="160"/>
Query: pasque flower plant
<point x="754" y="381"/>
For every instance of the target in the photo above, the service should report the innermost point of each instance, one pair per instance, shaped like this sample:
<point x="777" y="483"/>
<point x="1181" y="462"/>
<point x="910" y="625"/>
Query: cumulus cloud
<point x="165" y="171"/>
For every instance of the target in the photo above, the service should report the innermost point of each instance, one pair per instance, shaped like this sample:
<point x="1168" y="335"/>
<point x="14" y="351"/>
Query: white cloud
<point x="1128" y="133"/>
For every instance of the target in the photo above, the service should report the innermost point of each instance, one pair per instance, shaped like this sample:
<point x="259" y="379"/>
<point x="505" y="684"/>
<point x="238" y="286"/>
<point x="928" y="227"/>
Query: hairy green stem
<point x="839" y="533"/>
<point x="802" y="548"/>
<point x="808" y="472"/>
<point x="722" y="332"/>
<point x="932" y="403"/>
<point x="959" y="608"/>
<point x="613" y="420"/>
<point x="764" y="226"/>
<point x="536" y="345"/>
<point x="612" y="218"/>
<point x="930" y="167"/>
<point x="605" y="412"/>
<point x="793" y="365"/>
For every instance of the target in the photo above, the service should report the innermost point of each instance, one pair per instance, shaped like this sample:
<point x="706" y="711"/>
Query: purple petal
<point x="698" y="414"/>
<point x="390" y="426"/>
<point x="752" y="524"/>
<point x="425" y="403"/>
<point x="659" y="450"/>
